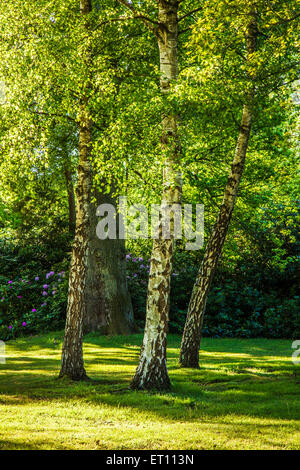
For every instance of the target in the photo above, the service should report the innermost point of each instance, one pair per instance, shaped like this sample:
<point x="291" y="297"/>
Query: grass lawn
<point x="245" y="396"/>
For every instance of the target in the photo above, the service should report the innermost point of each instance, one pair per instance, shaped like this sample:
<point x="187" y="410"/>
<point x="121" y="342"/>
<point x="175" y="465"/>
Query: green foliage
<point x="256" y="289"/>
<point x="137" y="277"/>
<point x="45" y="76"/>
<point x="30" y="306"/>
<point x="283" y="321"/>
<point x="32" y="296"/>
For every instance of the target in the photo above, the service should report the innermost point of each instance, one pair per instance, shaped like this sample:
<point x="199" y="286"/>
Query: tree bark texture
<point x="108" y="302"/>
<point x="72" y="354"/>
<point x="189" y="353"/>
<point x="71" y="200"/>
<point x="152" y="371"/>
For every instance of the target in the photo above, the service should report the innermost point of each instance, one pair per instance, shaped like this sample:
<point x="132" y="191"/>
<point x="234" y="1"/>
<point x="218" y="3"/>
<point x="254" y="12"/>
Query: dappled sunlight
<point x="235" y="400"/>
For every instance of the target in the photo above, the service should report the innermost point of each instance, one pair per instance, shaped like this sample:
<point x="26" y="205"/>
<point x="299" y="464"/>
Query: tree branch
<point x="41" y="113"/>
<point x="147" y="21"/>
<point x="190" y="13"/>
<point x="182" y="31"/>
<point x="125" y="18"/>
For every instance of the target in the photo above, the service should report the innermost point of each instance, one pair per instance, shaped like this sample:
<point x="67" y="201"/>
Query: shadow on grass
<point x="240" y="377"/>
<point x="37" y="444"/>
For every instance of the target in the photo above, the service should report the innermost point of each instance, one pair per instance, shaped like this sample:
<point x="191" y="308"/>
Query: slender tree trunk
<point x="108" y="302"/>
<point x="189" y="353"/>
<point x="72" y="355"/>
<point x="71" y="200"/>
<point x="152" y="369"/>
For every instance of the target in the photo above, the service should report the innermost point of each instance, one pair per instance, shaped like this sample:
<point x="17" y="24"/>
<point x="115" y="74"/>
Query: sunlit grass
<point x="246" y="395"/>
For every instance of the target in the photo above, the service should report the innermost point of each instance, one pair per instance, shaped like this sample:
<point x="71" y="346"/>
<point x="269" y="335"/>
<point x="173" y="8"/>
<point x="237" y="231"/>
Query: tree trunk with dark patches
<point x="71" y="200"/>
<point x="152" y="371"/>
<point x="72" y="354"/>
<point x="189" y="353"/>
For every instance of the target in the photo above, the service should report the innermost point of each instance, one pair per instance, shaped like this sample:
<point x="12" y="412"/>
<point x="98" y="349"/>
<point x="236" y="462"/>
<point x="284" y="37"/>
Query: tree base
<point x="189" y="365"/>
<point x="190" y="359"/>
<point x="151" y="380"/>
<point x="76" y="377"/>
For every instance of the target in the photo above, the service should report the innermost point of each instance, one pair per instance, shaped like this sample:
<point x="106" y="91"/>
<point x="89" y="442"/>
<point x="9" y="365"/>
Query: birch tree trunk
<point x="152" y="371"/>
<point x="71" y="200"/>
<point x="72" y="355"/>
<point x="189" y="353"/>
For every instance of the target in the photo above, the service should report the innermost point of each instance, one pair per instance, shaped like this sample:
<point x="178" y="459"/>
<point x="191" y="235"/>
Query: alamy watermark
<point x="296" y="353"/>
<point x="2" y="352"/>
<point x="164" y="221"/>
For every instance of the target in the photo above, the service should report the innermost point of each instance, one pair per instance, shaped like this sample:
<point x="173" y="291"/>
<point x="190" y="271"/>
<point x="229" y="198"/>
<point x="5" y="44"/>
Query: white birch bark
<point x="189" y="353"/>
<point x="72" y="354"/>
<point x="152" y="369"/>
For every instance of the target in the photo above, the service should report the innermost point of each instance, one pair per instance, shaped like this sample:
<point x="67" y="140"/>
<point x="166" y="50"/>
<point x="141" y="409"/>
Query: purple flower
<point x="142" y="266"/>
<point x="53" y="292"/>
<point x="19" y="296"/>
<point x="45" y="286"/>
<point x="44" y="293"/>
<point x="134" y="260"/>
<point x="128" y="256"/>
<point x="141" y="259"/>
<point x="10" y="327"/>
<point x="43" y="304"/>
<point x="33" y="310"/>
<point x="135" y="275"/>
<point x="9" y="282"/>
<point x="24" y="323"/>
<point x="37" y="278"/>
<point x="49" y="274"/>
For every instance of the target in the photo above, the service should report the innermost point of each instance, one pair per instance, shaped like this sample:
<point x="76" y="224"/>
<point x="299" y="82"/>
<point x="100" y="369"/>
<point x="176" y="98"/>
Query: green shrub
<point x="245" y="302"/>
<point x="236" y="307"/>
<point x="32" y="305"/>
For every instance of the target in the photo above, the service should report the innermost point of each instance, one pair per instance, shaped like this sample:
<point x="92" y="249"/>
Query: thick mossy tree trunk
<point x="108" y="302"/>
<point x="189" y="353"/>
<point x="152" y="371"/>
<point x="72" y="354"/>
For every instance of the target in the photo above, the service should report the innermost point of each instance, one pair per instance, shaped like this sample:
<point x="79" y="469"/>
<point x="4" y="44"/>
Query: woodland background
<point x="255" y="292"/>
